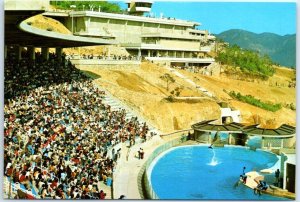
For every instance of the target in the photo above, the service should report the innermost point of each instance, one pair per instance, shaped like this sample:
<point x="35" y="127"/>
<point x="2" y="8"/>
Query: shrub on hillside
<point x="88" y="5"/>
<point x="256" y="102"/>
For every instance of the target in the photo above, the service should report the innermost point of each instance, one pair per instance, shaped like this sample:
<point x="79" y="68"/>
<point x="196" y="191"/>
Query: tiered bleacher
<point x="57" y="131"/>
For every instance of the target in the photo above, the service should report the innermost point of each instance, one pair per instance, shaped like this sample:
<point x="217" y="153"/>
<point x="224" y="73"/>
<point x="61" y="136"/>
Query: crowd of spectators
<point x="204" y="70"/>
<point x="57" y="130"/>
<point x="103" y="57"/>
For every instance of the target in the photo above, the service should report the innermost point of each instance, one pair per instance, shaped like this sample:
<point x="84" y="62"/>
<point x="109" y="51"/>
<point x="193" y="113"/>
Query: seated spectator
<point x="57" y="130"/>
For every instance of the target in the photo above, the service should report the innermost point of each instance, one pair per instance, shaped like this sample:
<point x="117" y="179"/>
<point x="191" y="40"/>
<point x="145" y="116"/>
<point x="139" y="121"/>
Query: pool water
<point x="200" y="173"/>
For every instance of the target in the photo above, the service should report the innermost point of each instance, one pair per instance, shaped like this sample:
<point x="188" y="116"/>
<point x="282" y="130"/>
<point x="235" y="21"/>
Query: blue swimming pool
<point x="200" y="173"/>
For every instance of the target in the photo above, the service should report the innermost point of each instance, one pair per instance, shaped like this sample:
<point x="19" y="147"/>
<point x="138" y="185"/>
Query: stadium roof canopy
<point x="208" y="126"/>
<point x="284" y="131"/>
<point x="17" y="32"/>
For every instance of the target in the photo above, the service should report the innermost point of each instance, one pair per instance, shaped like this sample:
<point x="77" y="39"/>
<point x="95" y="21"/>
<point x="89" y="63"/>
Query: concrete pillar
<point x="108" y="52"/>
<point x="31" y="52"/>
<point x="149" y="53"/>
<point x="139" y="54"/>
<point x="18" y="52"/>
<point x="58" y="52"/>
<point x="182" y="54"/>
<point x="5" y="51"/>
<point x="125" y="31"/>
<point x="174" y="54"/>
<point x="283" y="170"/>
<point x="45" y="53"/>
<point x="186" y="64"/>
<point x="88" y="24"/>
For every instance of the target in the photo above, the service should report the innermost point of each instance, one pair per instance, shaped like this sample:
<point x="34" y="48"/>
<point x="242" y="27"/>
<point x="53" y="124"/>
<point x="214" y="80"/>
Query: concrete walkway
<point x="272" y="190"/>
<point x="126" y="173"/>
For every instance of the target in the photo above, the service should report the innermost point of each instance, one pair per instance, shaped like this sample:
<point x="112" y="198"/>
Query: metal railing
<point x="11" y="187"/>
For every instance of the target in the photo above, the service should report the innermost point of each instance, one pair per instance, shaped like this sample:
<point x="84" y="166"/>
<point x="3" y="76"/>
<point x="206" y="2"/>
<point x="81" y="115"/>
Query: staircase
<point x="117" y="104"/>
<point x="199" y="88"/>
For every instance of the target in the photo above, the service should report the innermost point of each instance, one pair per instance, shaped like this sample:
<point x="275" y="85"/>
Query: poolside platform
<point x="128" y="167"/>
<point x="272" y="190"/>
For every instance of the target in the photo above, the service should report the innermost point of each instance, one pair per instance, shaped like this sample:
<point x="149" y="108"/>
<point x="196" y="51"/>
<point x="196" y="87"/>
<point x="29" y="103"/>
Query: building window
<point x="138" y="4"/>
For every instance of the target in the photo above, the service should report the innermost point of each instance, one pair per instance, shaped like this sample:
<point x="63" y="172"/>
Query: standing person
<point x="113" y="153"/>
<point x="244" y="176"/>
<point x="244" y="168"/>
<point x="141" y="153"/>
<point x="277" y="175"/>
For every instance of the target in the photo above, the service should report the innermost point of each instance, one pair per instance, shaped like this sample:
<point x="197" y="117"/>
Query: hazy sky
<point x="258" y="17"/>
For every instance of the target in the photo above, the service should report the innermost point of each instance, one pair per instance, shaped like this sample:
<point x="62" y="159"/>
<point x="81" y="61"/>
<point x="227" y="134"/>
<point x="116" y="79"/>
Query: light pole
<point x="72" y="7"/>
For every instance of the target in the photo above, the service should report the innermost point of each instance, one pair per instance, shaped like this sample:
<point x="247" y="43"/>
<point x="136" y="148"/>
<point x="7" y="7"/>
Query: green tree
<point x="248" y="61"/>
<point x="168" y="79"/>
<point x="87" y="5"/>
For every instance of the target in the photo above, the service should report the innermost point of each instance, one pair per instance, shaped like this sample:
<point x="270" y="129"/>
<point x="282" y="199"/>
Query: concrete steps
<point x="199" y="88"/>
<point x="117" y="104"/>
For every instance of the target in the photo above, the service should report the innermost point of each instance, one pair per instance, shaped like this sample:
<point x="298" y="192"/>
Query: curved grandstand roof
<point x="284" y="131"/>
<point x="20" y="33"/>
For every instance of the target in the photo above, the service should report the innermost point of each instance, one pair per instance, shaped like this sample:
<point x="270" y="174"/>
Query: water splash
<point x="214" y="160"/>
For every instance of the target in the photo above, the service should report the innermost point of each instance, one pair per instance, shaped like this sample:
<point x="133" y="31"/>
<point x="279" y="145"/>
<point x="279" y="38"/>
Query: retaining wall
<point x="95" y="63"/>
<point x="144" y="185"/>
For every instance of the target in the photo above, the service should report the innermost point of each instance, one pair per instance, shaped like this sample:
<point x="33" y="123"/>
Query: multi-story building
<point x="162" y="39"/>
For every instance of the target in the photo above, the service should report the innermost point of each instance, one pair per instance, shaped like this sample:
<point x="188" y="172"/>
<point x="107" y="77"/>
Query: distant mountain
<point x="281" y="49"/>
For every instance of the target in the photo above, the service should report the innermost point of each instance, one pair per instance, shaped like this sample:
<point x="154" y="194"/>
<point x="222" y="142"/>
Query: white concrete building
<point x="288" y="171"/>
<point x="172" y="41"/>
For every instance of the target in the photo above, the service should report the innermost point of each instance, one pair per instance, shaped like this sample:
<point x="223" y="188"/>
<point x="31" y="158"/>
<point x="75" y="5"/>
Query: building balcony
<point x="205" y="49"/>
<point x="184" y="36"/>
<point x="144" y="46"/>
<point x="181" y="60"/>
<point x="124" y="17"/>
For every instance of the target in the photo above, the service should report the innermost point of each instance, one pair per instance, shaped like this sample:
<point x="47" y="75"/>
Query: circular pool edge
<point x="148" y="170"/>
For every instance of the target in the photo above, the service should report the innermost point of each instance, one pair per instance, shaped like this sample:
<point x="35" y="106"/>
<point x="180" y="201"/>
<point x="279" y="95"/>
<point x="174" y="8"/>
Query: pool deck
<point x="272" y="190"/>
<point x="128" y="167"/>
<point x="126" y="173"/>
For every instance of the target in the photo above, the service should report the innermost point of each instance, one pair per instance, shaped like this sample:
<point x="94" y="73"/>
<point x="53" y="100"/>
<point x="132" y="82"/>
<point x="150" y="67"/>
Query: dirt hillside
<point x="266" y="91"/>
<point x="143" y="90"/>
<point x="45" y="23"/>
